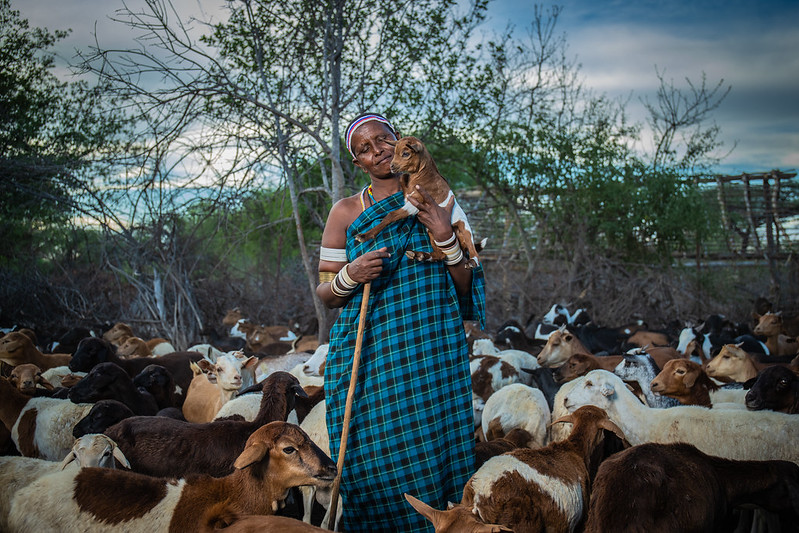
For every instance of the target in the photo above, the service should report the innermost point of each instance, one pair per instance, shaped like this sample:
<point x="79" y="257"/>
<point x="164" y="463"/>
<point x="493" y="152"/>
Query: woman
<point x="412" y="427"/>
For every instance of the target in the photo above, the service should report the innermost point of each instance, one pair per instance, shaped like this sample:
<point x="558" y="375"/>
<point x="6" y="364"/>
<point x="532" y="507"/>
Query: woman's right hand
<point x="367" y="267"/>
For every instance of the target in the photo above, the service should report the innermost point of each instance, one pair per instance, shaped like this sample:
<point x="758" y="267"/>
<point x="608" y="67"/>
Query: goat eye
<point x="288" y="450"/>
<point x="681" y="371"/>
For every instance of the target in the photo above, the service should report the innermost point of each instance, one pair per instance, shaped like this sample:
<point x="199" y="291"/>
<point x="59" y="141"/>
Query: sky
<point x="753" y="45"/>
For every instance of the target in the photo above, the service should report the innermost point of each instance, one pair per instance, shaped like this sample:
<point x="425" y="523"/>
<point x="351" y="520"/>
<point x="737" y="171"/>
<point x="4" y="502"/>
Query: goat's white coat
<point x="64" y="514"/>
<point x="312" y="367"/>
<point x="519" y="406"/>
<point x="56" y="374"/>
<point x="729" y="433"/>
<point x="55" y="420"/>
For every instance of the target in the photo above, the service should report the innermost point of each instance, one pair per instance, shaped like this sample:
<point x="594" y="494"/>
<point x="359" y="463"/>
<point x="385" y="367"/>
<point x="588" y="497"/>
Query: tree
<point x="269" y="88"/>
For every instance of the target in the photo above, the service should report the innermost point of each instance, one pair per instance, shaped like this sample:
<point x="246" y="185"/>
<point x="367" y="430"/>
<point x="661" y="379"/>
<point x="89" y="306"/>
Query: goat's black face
<point x="90" y="352"/>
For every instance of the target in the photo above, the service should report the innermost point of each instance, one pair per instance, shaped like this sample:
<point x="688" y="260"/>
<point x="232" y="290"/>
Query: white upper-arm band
<point x="338" y="255"/>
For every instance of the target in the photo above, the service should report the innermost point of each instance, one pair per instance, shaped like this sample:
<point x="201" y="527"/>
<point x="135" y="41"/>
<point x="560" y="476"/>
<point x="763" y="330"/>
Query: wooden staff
<point x="345" y="429"/>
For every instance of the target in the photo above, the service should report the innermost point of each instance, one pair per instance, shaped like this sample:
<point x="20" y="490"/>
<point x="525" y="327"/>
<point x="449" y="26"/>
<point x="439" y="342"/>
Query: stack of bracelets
<point x="452" y="249"/>
<point x="342" y="284"/>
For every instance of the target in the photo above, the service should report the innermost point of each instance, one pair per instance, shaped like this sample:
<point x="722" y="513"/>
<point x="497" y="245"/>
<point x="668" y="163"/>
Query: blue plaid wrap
<point x="412" y="426"/>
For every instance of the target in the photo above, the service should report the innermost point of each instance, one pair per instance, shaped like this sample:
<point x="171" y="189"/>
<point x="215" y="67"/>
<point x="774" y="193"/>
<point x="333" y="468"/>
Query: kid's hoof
<point x="470" y="264"/>
<point x="418" y="256"/>
<point x="361" y="237"/>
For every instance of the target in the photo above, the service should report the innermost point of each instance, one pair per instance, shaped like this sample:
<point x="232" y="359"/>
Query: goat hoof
<point x="418" y="256"/>
<point x="361" y="237"/>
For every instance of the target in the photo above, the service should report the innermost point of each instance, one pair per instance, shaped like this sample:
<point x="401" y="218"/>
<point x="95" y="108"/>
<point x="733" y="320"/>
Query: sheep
<point x="545" y="489"/>
<point x="16" y="348"/>
<point x="160" y="446"/>
<point x="456" y="519"/>
<point x="517" y="406"/>
<point x="275" y="458"/>
<point x="19" y="472"/>
<point x="775" y="388"/>
<point x="107" y="381"/>
<point x="675" y="487"/>
<point x="26" y="377"/>
<point x="204" y="399"/>
<point x="101" y="416"/>
<point x="640" y="368"/>
<point x="734" y="364"/>
<point x="92" y="351"/>
<point x="40" y="427"/>
<point x="733" y="434"/>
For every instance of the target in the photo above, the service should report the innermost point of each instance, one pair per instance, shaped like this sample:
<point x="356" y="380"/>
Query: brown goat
<point x="26" y="377"/>
<point x="685" y="381"/>
<point x="770" y="325"/>
<point x="734" y="364"/>
<point x="580" y="364"/>
<point x="663" y="488"/>
<point x="160" y="446"/>
<point x="413" y="160"/>
<point x="17" y="348"/>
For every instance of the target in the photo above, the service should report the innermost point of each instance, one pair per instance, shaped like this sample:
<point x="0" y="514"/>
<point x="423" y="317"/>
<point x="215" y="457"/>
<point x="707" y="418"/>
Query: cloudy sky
<point x="753" y="45"/>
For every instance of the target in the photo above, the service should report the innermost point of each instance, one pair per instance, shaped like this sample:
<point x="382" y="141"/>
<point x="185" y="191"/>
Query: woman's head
<point x="370" y="139"/>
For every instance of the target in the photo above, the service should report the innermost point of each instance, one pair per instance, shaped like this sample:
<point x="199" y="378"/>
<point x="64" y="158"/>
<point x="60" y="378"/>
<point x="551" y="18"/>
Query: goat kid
<point x="413" y="160"/>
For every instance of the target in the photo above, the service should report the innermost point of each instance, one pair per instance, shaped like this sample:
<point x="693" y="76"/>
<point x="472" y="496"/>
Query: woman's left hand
<point x="437" y="219"/>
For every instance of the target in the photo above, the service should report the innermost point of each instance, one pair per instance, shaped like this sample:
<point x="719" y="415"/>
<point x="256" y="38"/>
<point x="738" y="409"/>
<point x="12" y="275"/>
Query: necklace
<point x="371" y="194"/>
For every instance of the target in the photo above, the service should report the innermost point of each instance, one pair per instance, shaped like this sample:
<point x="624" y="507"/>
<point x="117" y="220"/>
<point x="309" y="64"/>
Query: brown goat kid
<point x="413" y="160"/>
<point x="685" y="381"/>
<point x="27" y="377"/>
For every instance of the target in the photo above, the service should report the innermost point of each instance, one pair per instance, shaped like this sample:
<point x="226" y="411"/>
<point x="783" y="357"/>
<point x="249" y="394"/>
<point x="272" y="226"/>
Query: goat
<point x="274" y="458"/>
<point x="640" y="368"/>
<point x="685" y="381"/>
<point x="546" y="489"/>
<point x="655" y="488"/>
<point x="456" y="519"/>
<point x="40" y="427"/>
<point x="26" y="377"/>
<point x="19" y="472"/>
<point x="16" y="348"/>
<point x="730" y="433"/>
<point x="118" y="334"/>
<point x="220" y="517"/>
<point x="770" y="326"/>
<point x="107" y="381"/>
<point x="158" y="381"/>
<point x="580" y="364"/>
<point x="101" y="416"/>
<point x="517" y="406"/>
<point x="204" y="399"/>
<point x="92" y="351"/>
<point x="413" y="160"/>
<point x="775" y="388"/>
<point x="160" y="446"/>
<point x="733" y="363"/>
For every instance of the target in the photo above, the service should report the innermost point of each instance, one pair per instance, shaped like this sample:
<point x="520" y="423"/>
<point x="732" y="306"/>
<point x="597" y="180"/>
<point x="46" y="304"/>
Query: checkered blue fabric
<point x="412" y="427"/>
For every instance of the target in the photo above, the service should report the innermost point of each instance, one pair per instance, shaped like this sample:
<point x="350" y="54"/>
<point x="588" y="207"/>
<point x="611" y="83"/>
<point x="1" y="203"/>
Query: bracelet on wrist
<point x="343" y="285"/>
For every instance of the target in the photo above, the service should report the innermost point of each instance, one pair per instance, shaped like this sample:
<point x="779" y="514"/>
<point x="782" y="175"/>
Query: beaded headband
<point x="359" y="122"/>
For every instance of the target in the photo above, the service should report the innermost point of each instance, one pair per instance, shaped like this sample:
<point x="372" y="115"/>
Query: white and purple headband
<point x="359" y="122"/>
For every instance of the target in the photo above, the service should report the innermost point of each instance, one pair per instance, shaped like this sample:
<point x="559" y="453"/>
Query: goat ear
<point x="252" y="454"/>
<point x="299" y="391"/>
<point x="416" y="146"/>
<point x="68" y="459"/>
<point x="690" y="378"/>
<point x="422" y="508"/>
<point x="567" y="419"/>
<point x="610" y="426"/>
<point x="391" y="142"/>
<point x="120" y="457"/>
<point x="43" y="382"/>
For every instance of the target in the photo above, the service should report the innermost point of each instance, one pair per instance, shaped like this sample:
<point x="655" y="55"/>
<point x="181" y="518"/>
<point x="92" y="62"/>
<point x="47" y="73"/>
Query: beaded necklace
<point x="367" y="190"/>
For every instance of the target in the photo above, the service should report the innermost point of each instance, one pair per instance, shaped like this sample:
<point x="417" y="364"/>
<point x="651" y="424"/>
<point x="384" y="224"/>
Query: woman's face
<point x="372" y="153"/>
